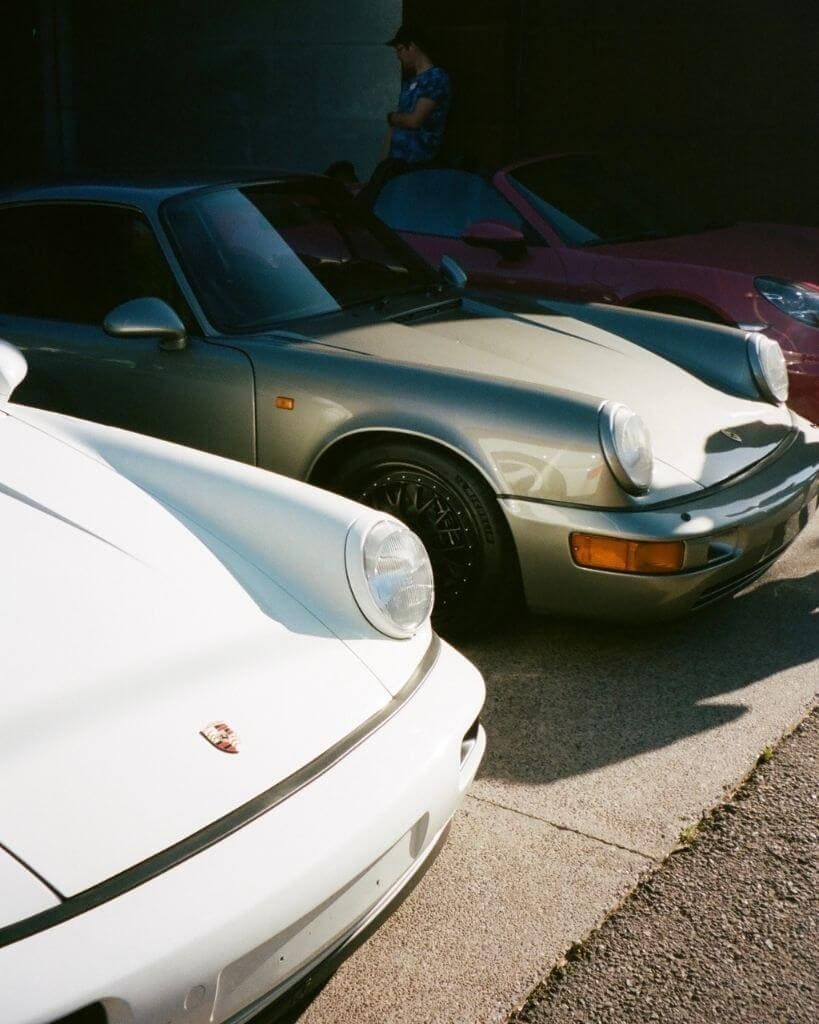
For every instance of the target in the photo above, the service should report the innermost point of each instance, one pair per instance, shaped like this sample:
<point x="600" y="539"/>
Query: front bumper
<point x="282" y="1004"/>
<point x="732" y="534"/>
<point x="231" y="932"/>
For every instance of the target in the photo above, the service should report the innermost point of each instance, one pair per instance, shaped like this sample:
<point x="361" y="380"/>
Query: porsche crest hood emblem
<point x="221" y="736"/>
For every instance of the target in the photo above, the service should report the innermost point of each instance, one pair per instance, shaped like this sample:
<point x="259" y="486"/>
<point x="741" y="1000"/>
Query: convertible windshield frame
<point x="262" y="263"/>
<point x="600" y="211"/>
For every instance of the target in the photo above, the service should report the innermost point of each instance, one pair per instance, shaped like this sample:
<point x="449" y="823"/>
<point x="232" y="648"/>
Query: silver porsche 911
<point x="598" y="461"/>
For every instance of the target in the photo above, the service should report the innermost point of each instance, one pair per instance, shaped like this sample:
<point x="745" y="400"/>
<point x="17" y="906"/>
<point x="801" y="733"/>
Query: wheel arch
<point x="340" y="450"/>
<point x="334" y="453"/>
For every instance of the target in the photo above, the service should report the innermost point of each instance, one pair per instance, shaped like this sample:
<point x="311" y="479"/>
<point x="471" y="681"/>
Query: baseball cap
<point x="407" y="34"/>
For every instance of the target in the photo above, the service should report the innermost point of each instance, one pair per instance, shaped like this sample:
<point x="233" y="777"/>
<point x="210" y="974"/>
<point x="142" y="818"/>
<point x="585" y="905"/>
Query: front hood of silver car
<point x="698" y="430"/>
<point x="123" y="639"/>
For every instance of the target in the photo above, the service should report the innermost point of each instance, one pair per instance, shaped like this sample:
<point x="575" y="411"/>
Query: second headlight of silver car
<point x="768" y="367"/>
<point x="626" y="444"/>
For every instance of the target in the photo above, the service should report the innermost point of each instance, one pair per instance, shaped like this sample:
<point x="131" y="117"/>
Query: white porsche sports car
<point x="231" y="740"/>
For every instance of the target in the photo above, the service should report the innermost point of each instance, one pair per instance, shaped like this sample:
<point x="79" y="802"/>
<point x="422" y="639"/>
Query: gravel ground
<point x="725" y="931"/>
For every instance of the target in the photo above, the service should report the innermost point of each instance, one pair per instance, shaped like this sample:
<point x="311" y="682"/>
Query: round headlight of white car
<point x="390" y="576"/>
<point x="626" y="445"/>
<point x="768" y="367"/>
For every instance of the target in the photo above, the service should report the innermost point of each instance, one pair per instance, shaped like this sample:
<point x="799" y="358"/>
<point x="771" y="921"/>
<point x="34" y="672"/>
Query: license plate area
<point x="267" y="966"/>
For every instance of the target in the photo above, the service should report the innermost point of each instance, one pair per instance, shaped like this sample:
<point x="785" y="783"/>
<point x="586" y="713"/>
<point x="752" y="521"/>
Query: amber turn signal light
<point x="618" y="555"/>
<point x="283" y="402"/>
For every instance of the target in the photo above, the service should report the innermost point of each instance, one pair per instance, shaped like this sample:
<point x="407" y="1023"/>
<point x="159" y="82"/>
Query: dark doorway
<point x="716" y="101"/>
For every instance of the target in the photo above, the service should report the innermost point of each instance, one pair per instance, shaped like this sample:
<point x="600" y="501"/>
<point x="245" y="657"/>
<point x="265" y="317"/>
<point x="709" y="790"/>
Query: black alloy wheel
<point x="456" y="516"/>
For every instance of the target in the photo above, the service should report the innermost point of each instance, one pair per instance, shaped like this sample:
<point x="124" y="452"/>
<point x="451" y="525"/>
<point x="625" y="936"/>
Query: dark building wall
<point x="251" y="83"/>
<point x="23" y="40"/>
<point x="719" y="101"/>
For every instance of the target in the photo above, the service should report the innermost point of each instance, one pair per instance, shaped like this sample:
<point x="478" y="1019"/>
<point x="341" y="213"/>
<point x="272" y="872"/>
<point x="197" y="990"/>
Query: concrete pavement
<point x="604" y="743"/>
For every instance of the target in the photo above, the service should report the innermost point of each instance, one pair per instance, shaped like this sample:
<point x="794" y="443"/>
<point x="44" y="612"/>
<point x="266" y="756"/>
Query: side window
<point x="442" y="202"/>
<point x="76" y="261"/>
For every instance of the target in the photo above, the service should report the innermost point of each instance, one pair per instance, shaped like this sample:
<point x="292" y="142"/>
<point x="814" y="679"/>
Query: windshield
<point x="267" y="253"/>
<point x="589" y="200"/>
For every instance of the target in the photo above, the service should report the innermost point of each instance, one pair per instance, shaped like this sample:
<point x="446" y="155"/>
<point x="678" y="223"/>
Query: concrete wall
<point x="276" y="84"/>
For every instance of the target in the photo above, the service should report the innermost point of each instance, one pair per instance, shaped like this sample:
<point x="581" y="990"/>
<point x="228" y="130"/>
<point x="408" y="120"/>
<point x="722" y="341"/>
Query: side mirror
<point x="453" y="271"/>
<point x="13" y="368"/>
<point x="147" y="318"/>
<point x="495" y="234"/>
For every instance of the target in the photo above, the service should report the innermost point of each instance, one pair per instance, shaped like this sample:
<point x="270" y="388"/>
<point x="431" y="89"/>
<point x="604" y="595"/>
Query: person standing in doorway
<point x="416" y="128"/>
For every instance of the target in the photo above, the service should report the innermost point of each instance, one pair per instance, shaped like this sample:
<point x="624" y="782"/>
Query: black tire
<point x="456" y="515"/>
<point x="682" y="307"/>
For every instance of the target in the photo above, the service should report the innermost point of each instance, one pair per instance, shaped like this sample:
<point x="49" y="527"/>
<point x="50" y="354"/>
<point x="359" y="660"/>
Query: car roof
<point x="144" y="189"/>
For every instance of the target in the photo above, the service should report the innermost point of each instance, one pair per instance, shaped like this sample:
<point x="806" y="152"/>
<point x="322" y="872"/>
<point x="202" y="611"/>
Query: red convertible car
<point x="580" y="227"/>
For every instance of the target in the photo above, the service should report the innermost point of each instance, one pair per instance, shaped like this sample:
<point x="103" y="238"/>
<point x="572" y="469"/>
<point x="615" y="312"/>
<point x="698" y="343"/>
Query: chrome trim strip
<point x="229" y="823"/>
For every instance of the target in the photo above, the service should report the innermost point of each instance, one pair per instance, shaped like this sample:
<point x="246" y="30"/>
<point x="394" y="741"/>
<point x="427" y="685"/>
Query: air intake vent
<point x="94" y="1014"/>
<point x="469" y="740"/>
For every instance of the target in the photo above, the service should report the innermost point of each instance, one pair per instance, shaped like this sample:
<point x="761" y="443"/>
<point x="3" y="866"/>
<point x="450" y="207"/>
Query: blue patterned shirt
<point x="423" y="144"/>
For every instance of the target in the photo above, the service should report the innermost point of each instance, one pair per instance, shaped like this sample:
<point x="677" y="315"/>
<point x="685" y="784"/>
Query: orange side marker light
<point x="283" y="402"/>
<point x="616" y="555"/>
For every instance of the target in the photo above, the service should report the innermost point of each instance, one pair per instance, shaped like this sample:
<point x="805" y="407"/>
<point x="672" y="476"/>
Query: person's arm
<point x="415" y="119"/>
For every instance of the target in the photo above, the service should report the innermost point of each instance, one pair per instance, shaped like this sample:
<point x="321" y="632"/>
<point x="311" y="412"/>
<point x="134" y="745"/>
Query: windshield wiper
<point x="382" y="300"/>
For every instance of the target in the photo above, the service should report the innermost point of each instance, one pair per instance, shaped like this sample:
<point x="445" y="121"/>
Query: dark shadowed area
<point x="717" y="102"/>
<point x="564" y="697"/>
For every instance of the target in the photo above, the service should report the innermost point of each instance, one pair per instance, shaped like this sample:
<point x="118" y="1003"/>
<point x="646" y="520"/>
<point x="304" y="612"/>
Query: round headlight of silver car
<point x="626" y="445"/>
<point x="768" y="367"/>
<point x="390" y="576"/>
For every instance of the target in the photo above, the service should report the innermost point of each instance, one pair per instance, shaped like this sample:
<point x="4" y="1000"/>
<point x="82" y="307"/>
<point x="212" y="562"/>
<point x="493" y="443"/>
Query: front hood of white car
<point x="123" y="638"/>
<point x="685" y="416"/>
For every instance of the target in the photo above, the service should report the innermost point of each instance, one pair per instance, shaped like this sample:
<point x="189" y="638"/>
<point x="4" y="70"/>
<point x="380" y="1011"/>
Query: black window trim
<point x="40" y="201"/>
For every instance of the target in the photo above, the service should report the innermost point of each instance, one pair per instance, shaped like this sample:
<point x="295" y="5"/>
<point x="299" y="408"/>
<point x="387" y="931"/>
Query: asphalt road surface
<point x="725" y="931"/>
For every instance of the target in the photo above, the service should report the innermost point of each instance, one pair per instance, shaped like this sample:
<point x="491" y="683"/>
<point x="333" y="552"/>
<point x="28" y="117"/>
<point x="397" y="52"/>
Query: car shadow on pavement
<point x="568" y="697"/>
